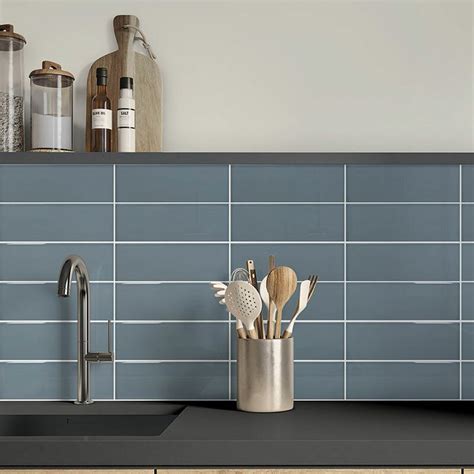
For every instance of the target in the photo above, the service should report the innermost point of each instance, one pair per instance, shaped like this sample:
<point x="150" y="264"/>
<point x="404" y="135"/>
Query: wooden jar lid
<point x="50" y="68"/>
<point x="8" y="31"/>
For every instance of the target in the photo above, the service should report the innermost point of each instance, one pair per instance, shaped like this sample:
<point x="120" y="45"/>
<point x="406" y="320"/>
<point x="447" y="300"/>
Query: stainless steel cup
<point x="265" y="375"/>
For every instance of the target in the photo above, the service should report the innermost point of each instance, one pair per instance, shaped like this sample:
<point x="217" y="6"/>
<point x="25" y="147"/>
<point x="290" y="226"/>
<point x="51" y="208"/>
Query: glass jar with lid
<point x="11" y="89"/>
<point x="51" y="110"/>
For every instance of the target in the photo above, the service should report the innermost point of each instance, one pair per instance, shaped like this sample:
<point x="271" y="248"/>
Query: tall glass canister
<point x="11" y="89"/>
<point x="51" y="110"/>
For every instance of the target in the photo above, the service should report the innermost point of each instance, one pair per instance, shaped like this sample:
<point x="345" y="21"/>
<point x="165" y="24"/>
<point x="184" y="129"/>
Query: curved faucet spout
<point x="72" y="264"/>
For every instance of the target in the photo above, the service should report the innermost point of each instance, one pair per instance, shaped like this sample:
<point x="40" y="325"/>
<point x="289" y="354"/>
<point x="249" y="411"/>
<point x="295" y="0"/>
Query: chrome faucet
<point x="74" y="264"/>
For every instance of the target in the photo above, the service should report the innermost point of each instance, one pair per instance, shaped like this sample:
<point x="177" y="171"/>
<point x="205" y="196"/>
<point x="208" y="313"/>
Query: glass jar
<point x="11" y="89"/>
<point x="51" y="108"/>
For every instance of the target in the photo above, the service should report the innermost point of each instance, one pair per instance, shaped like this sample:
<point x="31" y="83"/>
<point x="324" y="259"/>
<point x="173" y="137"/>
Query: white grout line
<point x="236" y="203"/>
<point x="225" y="242"/>
<point x="229" y="273"/>
<point x="345" y="282"/>
<point x="460" y="283"/>
<point x="181" y="400"/>
<point x="226" y="321"/>
<point x="201" y="282"/>
<point x="233" y="361"/>
<point x="114" y="287"/>
<point x="46" y="282"/>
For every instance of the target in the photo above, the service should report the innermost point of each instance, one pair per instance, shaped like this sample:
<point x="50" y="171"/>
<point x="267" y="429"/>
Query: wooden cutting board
<point x="146" y="82"/>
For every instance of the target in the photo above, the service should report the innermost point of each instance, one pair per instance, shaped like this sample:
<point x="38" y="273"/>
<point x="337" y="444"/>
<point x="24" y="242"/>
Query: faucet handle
<point x="103" y="356"/>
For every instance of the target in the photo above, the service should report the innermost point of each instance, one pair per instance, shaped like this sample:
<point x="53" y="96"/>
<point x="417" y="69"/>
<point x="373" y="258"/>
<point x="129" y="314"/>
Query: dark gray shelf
<point x="293" y="158"/>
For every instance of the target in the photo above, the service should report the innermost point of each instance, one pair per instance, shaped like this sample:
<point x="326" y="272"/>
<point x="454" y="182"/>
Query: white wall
<point x="261" y="75"/>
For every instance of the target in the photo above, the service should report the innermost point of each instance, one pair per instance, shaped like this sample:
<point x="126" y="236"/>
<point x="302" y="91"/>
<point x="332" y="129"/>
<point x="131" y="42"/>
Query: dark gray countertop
<point x="215" y="434"/>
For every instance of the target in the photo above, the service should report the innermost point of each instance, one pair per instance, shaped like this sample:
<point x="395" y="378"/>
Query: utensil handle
<point x="278" y="323"/>
<point x="254" y="283"/>
<point x="270" y="329"/>
<point x="253" y="333"/>
<point x="241" y="332"/>
<point x="287" y="334"/>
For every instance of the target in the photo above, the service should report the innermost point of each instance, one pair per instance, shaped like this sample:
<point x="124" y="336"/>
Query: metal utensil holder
<point x="265" y="375"/>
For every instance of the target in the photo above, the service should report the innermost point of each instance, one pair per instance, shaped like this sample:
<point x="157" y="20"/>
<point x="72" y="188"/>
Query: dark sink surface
<point x="84" y="425"/>
<point x="19" y="419"/>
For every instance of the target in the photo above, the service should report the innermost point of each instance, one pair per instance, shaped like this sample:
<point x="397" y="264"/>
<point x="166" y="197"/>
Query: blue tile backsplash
<point x="393" y="316"/>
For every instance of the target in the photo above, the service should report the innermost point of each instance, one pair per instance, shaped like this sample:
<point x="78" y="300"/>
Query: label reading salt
<point x="102" y="118"/>
<point x="126" y="118"/>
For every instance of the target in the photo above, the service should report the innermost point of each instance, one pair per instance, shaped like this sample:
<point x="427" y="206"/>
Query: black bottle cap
<point x="101" y="74"/>
<point x="126" y="83"/>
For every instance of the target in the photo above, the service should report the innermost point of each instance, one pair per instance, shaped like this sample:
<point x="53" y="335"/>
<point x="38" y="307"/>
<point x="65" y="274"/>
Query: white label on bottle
<point x="125" y="118"/>
<point x="102" y="118"/>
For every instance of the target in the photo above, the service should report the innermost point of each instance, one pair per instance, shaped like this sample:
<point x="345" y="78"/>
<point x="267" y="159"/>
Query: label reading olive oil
<point x="102" y="118"/>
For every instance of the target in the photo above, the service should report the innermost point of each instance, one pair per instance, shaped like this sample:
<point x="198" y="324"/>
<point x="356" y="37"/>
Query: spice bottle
<point x="126" y="116"/>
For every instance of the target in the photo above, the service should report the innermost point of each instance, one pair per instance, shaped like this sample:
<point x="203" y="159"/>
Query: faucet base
<point x="87" y="402"/>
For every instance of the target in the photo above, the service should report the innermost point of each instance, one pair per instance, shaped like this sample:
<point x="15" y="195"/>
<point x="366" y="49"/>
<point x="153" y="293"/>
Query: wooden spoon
<point x="281" y="285"/>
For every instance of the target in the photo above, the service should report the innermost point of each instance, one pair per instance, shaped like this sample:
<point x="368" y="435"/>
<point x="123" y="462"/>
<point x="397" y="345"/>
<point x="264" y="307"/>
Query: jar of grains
<point x="11" y="89"/>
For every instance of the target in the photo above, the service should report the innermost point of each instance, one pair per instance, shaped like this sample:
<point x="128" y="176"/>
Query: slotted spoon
<point x="219" y="292"/>
<point x="244" y="302"/>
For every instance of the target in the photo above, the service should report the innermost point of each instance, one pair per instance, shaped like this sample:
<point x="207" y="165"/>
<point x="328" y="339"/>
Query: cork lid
<point x="50" y="68"/>
<point x="7" y="31"/>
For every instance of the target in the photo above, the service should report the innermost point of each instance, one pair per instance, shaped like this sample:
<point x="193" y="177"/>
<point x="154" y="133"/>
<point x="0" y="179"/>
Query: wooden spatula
<point x="281" y="285"/>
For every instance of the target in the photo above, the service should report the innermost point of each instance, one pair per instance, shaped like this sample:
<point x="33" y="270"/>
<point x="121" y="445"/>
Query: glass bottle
<point x="101" y="122"/>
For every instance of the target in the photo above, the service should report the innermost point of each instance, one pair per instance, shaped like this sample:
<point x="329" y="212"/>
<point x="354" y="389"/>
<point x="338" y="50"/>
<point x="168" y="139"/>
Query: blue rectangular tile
<point x="287" y="183"/>
<point x="468" y="222"/>
<point x="172" y="183"/>
<point x="468" y="341"/>
<point x="327" y="303"/>
<point x="468" y="262"/>
<point x="313" y="380"/>
<point x="56" y="222"/>
<point x="402" y="381"/>
<point x="276" y="222"/>
<point x="402" y="301"/>
<point x="392" y="222"/>
<point x="468" y="380"/>
<point x="16" y="302"/>
<point x="468" y="301"/>
<point x="43" y="262"/>
<point x="468" y="183"/>
<point x="52" y="380"/>
<point x="172" y="262"/>
<point x="325" y="260"/>
<point x="48" y="341"/>
<point x="319" y="381"/>
<point x="173" y="381"/>
<point x="402" y="341"/>
<point x="56" y="183"/>
<point x="168" y="301"/>
<point x="172" y="341"/>
<point x="319" y="341"/>
<point x="403" y="262"/>
<point x="172" y="222"/>
<point x="403" y="183"/>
